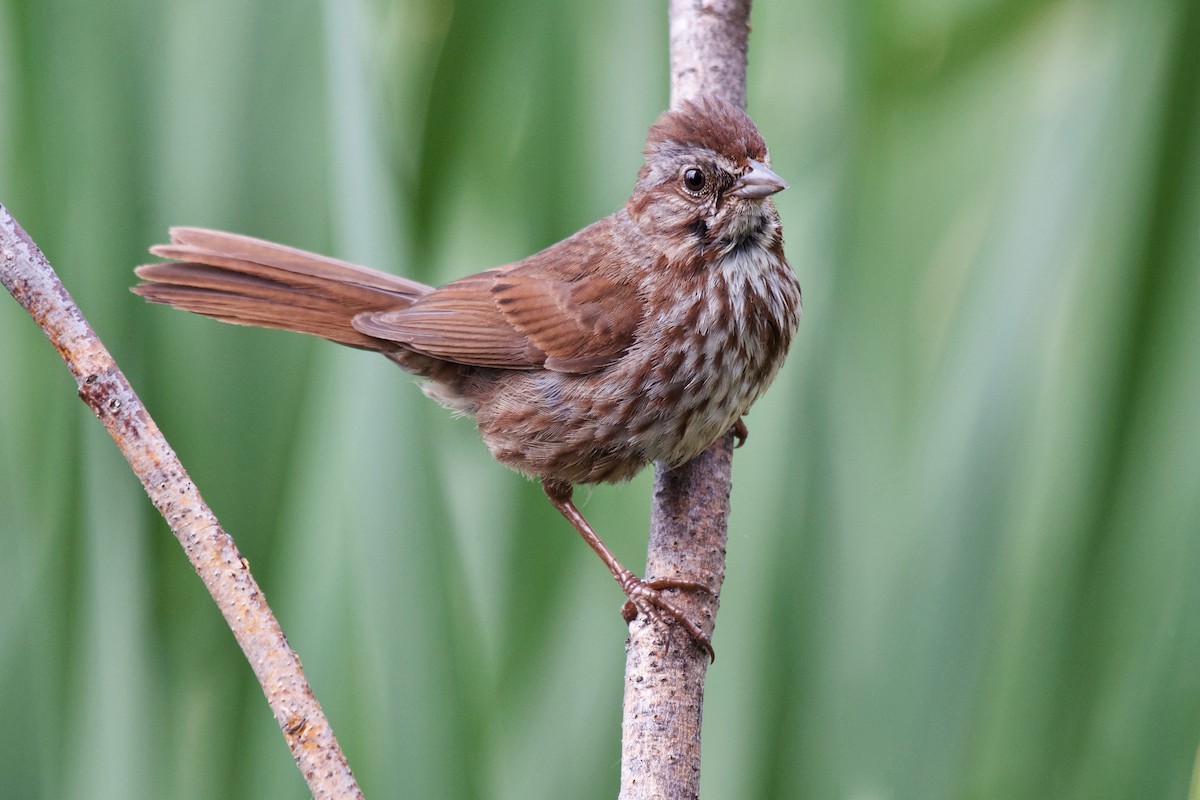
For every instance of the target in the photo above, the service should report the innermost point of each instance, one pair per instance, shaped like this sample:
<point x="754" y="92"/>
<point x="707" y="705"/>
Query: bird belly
<point x="688" y="377"/>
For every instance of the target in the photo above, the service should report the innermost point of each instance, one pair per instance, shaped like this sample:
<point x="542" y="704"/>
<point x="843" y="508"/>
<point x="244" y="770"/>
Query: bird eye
<point x="693" y="179"/>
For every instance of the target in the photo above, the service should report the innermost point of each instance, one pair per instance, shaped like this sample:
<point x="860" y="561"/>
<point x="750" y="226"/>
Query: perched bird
<point x="643" y="337"/>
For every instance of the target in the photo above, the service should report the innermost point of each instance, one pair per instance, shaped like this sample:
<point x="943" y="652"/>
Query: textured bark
<point x="708" y="49"/>
<point x="30" y="279"/>
<point x="664" y="671"/>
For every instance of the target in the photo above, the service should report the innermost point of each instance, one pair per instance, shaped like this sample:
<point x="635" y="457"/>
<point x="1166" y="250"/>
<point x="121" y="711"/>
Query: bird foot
<point x="740" y="432"/>
<point x="647" y="597"/>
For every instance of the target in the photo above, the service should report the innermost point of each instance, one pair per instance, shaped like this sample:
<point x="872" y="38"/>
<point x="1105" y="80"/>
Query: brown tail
<point x="249" y="281"/>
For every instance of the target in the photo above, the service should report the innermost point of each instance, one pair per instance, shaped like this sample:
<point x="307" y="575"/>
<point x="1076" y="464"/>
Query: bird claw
<point x="740" y="432"/>
<point x="646" y="597"/>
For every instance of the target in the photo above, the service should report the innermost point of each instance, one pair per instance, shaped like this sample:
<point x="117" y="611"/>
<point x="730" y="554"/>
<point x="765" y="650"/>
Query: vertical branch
<point x="664" y="673"/>
<point x="30" y="279"/>
<point x="708" y="49"/>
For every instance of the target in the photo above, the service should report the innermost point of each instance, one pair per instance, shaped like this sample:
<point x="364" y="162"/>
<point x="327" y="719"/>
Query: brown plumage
<point x="643" y="337"/>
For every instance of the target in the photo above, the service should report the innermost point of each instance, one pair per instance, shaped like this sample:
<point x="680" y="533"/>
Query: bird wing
<point x="525" y="316"/>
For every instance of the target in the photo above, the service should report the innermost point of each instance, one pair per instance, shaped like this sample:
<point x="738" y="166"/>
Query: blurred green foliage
<point x="966" y="533"/>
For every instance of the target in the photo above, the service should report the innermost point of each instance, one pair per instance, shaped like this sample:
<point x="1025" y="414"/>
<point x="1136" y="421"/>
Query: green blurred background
<point x="965" y="545"/>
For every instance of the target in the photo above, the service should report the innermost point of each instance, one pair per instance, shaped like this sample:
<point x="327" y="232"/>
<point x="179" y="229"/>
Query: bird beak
<point x="760" y="181"/>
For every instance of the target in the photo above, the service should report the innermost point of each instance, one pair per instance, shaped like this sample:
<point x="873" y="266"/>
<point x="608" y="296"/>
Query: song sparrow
<point x="643" y="337"/>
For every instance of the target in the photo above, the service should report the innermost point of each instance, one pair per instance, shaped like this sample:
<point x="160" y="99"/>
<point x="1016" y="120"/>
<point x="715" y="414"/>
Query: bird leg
<point x="644" y="596"/>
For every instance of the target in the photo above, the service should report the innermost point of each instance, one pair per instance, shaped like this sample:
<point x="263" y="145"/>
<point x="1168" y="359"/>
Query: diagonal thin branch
<point x="664" y="677"/>
<point x="30" y="279"/>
